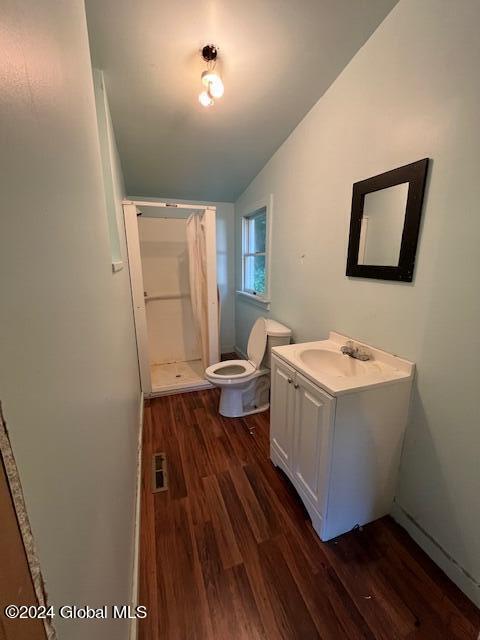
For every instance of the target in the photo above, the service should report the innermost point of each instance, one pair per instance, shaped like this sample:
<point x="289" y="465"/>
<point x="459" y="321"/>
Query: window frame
<point x="262" y="206"/>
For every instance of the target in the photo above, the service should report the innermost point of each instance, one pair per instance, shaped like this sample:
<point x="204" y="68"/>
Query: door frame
<point x="25" y="584"/>
<point x="138" y="294"/>
<point x="130" y="212"/>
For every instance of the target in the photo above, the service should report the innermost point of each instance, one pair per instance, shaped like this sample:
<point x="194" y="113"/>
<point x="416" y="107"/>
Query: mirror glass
<point x="382" y="226"/>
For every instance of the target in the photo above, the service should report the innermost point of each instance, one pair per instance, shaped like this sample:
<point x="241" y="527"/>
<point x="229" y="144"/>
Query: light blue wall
<point x="411" y="92"/>
<point x="69" y="381"/>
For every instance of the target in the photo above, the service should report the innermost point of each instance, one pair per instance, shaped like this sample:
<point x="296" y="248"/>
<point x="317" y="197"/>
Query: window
<point x="255" y="253"/>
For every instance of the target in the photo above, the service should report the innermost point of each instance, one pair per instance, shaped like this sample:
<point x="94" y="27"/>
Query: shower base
<point x="178" y="376"/>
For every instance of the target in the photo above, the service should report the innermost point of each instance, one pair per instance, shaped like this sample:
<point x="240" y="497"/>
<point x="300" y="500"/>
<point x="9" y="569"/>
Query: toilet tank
<point x="277" y="335"/>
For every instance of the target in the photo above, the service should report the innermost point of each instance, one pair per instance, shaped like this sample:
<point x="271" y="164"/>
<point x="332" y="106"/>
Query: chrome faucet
<point x="354" y="351"/>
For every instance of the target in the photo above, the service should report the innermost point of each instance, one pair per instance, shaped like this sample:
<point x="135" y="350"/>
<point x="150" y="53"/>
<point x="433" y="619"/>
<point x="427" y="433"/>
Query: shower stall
<point x="172" y="260"/>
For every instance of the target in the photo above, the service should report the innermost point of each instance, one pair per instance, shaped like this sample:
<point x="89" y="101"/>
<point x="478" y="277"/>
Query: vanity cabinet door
<point x="282" y="410"/>
<point x="313" y="425"/>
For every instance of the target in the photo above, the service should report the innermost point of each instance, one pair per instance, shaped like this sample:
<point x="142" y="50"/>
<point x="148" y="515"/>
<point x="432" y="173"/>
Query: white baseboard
<point x="136" y="543"/>
<point x="460" y="576"/>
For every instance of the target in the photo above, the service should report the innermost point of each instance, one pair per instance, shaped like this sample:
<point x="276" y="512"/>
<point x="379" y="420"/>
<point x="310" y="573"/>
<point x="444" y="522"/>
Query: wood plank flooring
<point x="228" y="552"/>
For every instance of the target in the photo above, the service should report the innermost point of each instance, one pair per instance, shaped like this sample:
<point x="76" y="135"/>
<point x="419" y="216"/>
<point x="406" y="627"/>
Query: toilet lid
<point x="257" y="342"/>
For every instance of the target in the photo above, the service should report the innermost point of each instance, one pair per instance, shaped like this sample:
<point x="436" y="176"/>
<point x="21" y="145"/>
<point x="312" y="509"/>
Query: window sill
<point x="256" y="300"/>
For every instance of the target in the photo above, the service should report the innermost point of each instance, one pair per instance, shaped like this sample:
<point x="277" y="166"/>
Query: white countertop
<point x="383" y="368"/>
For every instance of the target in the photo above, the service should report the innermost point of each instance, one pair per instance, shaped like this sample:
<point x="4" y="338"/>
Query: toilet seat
<point x="230" y="370"/>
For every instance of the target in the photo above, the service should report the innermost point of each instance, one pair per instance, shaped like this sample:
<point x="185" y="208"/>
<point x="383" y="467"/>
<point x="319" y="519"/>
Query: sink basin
<point x="323" y="363"/>
<point x="331" y="363"/>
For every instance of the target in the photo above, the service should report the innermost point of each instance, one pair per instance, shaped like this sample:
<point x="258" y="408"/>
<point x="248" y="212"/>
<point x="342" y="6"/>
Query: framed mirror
<point x="385" y="223"/>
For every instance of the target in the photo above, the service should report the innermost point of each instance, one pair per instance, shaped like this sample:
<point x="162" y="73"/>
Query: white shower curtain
<point x="197" y="268"/>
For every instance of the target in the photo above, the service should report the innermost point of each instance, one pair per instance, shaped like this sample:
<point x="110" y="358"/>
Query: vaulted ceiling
<point x="277" y="57"/>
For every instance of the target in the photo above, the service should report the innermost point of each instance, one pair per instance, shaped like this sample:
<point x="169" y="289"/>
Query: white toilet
<point x="245" y="384"/>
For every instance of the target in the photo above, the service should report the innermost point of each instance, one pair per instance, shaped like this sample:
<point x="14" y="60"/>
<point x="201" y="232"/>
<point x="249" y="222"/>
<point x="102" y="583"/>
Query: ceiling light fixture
<point x="210" y="79"/>
<point x="205" y="99"/>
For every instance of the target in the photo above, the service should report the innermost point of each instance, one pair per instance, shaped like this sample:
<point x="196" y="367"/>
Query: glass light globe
<point x="213" y="83"/>
<point x="205" y="99"/>
<point x="216" y="88"/>
<point x="208" y="77"/>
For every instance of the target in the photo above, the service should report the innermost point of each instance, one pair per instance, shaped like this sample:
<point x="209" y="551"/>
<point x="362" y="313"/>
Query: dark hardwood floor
<point x="228" y="551"/>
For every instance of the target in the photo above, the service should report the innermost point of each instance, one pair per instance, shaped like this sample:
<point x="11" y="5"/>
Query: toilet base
<point x="233" y="409"/>
<point x="238" y="402"/>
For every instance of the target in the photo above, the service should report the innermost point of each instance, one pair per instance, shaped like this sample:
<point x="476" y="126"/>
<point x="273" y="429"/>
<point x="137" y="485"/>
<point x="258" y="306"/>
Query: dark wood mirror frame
<point x="415" y="174"/>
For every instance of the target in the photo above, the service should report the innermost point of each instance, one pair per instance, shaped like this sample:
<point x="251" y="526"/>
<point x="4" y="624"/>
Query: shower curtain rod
<point x="169" y="205"/>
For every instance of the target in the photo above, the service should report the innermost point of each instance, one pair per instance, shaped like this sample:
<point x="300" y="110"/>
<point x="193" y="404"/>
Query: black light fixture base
<point x="209" y="53"/>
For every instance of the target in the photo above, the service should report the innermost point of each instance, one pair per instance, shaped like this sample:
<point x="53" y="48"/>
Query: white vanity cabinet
<point x="282" y="406"/>
<point x="301" y="421"/>
<point x="314" y="411"/>
<point x="340" y="452"/>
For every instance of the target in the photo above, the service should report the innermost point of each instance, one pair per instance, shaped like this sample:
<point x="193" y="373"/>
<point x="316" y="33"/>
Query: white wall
<point x="68" y="372"/>
<point x="225" y="264"/>
<point x="172" y="336"/>
<point x="412" y="91"/>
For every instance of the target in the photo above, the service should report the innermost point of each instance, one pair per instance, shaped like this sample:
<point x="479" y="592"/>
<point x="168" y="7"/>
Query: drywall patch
<point x="13" y="479"/>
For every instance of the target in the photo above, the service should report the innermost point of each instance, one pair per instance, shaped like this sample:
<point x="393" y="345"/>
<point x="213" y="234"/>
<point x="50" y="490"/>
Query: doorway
<point x="172" y="259"/>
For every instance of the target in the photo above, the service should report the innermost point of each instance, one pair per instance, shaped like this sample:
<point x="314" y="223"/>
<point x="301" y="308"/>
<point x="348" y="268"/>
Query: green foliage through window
<point x="254" y="252"/>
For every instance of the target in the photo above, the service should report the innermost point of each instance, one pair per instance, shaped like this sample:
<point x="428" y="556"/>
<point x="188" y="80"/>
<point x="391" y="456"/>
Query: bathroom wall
<point x="68" y="369"/>
<point x="172" y="335"/>
<point x="412" y="91"/>
<point x="225" y="264"/>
